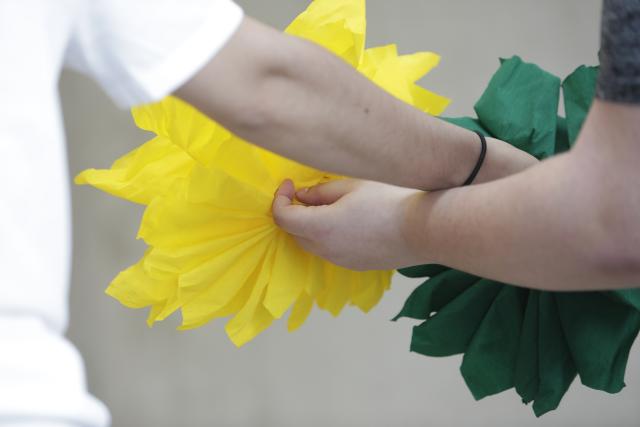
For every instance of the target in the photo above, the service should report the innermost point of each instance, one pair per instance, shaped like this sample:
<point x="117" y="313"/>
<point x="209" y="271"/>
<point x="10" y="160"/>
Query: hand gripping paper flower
<point x="534" y="341"/>
<point x="214" y="250"/>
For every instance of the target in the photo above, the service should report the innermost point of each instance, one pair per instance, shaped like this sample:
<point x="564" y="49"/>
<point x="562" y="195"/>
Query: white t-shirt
<point x="139" y="51"/>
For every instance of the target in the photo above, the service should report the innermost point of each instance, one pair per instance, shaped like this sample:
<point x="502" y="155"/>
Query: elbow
<point x="619" y="261"/>
<point x="602" y="226"/>
<point x="252" y="114"/>
<point x="615" y="252"/>
<point x="275" y="92"/>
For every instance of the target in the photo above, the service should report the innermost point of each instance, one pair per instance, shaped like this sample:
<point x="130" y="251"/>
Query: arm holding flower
<point x="571" y="222"/>
<point x="297" y="99"/>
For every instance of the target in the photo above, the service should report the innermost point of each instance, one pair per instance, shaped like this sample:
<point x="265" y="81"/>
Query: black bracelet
<point x="483" y="153"/>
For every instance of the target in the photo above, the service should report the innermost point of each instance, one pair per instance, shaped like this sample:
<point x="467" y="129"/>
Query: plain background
<point x="355" y="370"/>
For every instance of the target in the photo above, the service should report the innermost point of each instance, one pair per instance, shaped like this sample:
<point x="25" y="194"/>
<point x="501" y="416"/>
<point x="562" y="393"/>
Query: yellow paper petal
<point x="288" y="277"/>
<point x="428" y="101"/>
<point x="338" y="25"/>
<point x="142" y="174"/>
<point x="253" y="318"/>
<point x="300" y="311"/>
<point x="228" y="295"/>
<point x="367" y="289"/>
<point x="192" y="313"/>
<point x="214" y="250"/>
<point x="135" y="289"/>
<point x="335" y="293"/>
<point x="417" y="65"/>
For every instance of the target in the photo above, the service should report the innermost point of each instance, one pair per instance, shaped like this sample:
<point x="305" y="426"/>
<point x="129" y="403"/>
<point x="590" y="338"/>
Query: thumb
<point x="294" y="219"/>
<point x="284" y="194"/>
<point x="327" y="193"/>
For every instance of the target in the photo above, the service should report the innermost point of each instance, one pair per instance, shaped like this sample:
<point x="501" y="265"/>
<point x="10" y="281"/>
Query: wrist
<point x="454" y="153"/>
<point x="503" y="160"/>
<point x="464" y="152"/>
<point x="414" y="229"/>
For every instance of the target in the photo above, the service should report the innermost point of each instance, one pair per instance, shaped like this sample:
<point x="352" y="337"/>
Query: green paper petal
<point x="526" y="367"/>
<point x="520" y="106"/>
<point x="556" y="369"/>
<point x="600" y="332"/>
<point x="533" y="340"/>
<point x="631" y="297"/>
<point x="489" y="362"/>
<point x="450" y="330"/>
<point x="562" y="136"/>
<point x="435" y="293"/>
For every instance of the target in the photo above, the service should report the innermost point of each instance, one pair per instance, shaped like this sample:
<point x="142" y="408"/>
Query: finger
<point x="294" y="219"/>
<point x="327" y="193"/>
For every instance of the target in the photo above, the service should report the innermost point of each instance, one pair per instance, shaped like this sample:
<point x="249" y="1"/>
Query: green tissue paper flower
<point x="535" y="341"/>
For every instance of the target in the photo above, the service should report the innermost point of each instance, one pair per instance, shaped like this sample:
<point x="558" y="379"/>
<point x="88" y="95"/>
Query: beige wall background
<point x="355" y="370"/>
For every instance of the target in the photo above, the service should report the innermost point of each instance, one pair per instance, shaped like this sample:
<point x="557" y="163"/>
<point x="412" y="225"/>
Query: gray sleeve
<point x="619" y="79"/>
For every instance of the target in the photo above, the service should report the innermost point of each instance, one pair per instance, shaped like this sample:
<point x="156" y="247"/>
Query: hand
<point x="356" y="224"/>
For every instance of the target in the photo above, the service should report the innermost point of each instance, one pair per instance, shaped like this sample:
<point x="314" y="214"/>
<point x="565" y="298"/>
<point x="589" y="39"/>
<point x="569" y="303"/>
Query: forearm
<point x="569" y="223"/>
<point x="298" y="100"/>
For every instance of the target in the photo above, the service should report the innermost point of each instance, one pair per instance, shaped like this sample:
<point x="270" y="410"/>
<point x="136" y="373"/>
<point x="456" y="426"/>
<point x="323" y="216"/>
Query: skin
<point x="569" y="223"/>
<point x="297" y="99"/>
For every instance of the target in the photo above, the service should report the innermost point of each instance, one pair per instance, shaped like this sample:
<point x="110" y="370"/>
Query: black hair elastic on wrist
<point x="483" y="153"/>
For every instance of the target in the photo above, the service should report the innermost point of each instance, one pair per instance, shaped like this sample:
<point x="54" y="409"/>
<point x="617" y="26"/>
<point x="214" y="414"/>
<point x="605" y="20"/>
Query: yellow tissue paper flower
<point x="214" y="250"/>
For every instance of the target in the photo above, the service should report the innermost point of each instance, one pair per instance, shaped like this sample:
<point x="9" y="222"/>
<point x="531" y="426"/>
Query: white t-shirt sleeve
<point x="42" y="381"/>
<point x="142" y="50"/>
